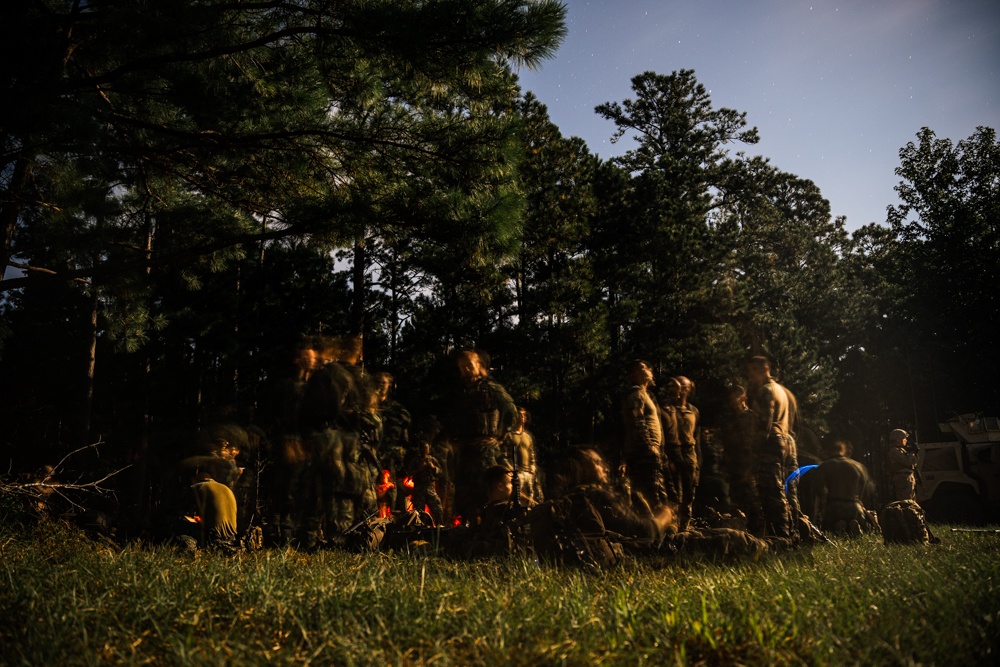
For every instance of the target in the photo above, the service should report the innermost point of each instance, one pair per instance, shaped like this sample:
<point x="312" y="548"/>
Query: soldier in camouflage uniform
<point x="774" y="446"/>
<point x="643" y="437"/>
<point x="395" y="443"/>
<point x="522" y="445"/>
<point x="843" y="481"/>
<point x="287" y="461"/>
<point x="481" y="416"/>
<point x="328" y="419"/>
<point x="737" y="433"/>
<point x="684" y="456"/>
<point x="902" y="463"/>
<point x="426" y="470"/>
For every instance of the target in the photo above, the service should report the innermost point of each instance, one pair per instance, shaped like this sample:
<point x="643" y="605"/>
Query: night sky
<point x="835" y="88"/>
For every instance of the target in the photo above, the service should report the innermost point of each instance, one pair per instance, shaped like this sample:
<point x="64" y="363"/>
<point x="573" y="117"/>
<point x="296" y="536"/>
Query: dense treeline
<point x="189" y="188"/>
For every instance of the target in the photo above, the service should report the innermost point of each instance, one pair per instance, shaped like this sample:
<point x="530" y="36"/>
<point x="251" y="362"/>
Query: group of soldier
<point x="338" y="448"/>
<point x="661" y="441"/>
<point x="341" y="450"/>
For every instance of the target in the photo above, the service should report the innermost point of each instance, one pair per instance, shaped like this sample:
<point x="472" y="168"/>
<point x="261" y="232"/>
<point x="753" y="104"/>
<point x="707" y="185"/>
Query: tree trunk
<point x="358" y="307"/>
<point x="88" y="391"/>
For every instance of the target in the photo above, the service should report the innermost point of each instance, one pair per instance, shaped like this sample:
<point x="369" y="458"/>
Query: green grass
<point x="65" y="599"/>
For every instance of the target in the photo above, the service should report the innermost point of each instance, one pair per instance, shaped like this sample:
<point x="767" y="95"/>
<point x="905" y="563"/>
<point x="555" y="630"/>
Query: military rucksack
<point x="569" y="530"/>
<point x="903" y="522"/>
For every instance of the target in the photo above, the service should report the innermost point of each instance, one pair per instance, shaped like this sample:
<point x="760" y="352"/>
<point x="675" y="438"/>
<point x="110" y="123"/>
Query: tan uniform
<point x="776" y="455"/>
<point x="642" y="449"/>
<point x="217" y="511"/>
<point x="901" y="466"/>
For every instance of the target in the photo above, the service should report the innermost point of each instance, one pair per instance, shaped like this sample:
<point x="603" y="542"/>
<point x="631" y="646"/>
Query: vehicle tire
<point x="956" y="506"/>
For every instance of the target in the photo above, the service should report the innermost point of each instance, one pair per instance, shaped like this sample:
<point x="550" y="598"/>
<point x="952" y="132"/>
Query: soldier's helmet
<point x="897" y="436"/>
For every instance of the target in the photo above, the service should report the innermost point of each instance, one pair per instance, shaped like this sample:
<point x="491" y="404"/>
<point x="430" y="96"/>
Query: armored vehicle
<point x="959" y="479"/>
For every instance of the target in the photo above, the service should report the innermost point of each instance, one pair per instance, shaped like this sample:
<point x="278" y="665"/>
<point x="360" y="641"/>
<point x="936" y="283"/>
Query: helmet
<point x="897" y="435"/>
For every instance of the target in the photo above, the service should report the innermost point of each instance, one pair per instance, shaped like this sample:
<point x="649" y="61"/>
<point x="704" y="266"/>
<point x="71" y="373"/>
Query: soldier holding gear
<point x="902" y="463"/>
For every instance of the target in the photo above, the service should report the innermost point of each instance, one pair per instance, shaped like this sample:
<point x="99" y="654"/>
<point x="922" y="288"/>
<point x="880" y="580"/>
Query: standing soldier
<point x="523" y="446"/>
<point x="737" y="432"/>
<point x="685" y="457"/>
<point x="395" y="436"/>
<point x="642" y="448"/>
<point x="775" y="446"/>
<point x="902" y="462"/>
<point x="328" y="417"/>
<point x="288" y="457"/>
<point x="479" y="421"/>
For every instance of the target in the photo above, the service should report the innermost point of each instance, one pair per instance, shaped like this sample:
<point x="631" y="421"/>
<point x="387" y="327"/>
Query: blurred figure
<point x="591" y="477"/>
<point x="523" y="446"/>
<point x="479" y="421"/>
<point x="426" y="472"/>
<point x="737" y="435"/>
<point x="684" y="457"/>
<point x="395" y="442"/>
<point x="844" y="481"/>
<point x="288" y="457"/>
<point x="774" y="445"/>
<point x="642" y="446"/>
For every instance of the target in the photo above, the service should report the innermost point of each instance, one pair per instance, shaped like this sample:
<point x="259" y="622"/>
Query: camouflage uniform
<point x="394" y="446"/>
<point x="643" y="444"/>
<point x="669" y="453"/>
<point x="844" y="480"/>
<point x="776" y="456"/>
<point x="327" y="419"/>
<point x="523" y="446"/>
<point x="901" y="464"/>
<point x="426" y="472"/>
<point x="286" y="463"/>
<point x="483" y="415"/>
<point x="737" y="435"/>
<point x="684" y="458"/>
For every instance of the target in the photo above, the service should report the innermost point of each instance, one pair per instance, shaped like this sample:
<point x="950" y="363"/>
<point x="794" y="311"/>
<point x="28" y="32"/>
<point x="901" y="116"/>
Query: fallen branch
<point x="40" y="490"/>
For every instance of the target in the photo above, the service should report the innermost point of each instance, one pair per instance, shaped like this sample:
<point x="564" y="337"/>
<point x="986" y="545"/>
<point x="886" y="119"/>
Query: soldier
<point x="523" y="446"/>
<point x="593" y="480"/>
<point x="426" y="471"/>
<point x="737" y="433"/>
<point x="642" y="447"/>
<point x="684" y="456"/>
<point x="395" y="443"/>
<point x="774" y="446"/>
<point x="287" y="460"/>
<point x="481" y="416"/>
<point x="328" y="418"/>
<point x="902" y="463"/>
<point x="671" y="440"/>
<point x="843" y="481"/>
<point x="215" y="512"/>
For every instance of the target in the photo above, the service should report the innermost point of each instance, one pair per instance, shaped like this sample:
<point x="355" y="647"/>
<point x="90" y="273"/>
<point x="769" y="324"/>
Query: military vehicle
<point x="959" y="479"/>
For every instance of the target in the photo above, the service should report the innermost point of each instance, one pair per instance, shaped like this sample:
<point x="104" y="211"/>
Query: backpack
<point x="903" y="522"/>
<point x="569" y="530"/>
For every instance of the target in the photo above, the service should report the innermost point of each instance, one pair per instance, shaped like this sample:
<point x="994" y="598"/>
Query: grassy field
<point x="65" y="599"/>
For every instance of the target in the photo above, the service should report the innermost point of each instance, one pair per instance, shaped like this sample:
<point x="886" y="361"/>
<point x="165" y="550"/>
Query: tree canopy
<point x="189" y="188"/>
